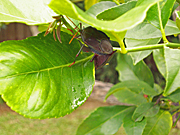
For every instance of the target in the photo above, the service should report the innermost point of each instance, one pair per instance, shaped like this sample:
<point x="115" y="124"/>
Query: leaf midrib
<point x="48" y="69"/>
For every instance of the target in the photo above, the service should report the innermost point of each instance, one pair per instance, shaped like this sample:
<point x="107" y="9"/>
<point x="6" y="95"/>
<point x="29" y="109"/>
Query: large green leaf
<point x="160" y="124"/>
<point x="36" y="80"/>
<point x="120" y="24"/>
<point x="172" y="57"/>
<point x="128" y="71"/>
<point x="104" y="121"/>
<point x="31" y="12"/>
<point x="133" y="128"/>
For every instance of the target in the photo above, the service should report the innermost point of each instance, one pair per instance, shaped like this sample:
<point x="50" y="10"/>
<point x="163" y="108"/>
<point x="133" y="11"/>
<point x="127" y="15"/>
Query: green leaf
<point x="172" y="57"/>
<point x="175" y="96"/>
<point x="36" y="80"/>
<point x="147" y="31"/>
<point x="160" y="124"/>
<point x="99" y="7"/>
<point x="139" y="87"/>
<point x="120" y="24"/>
<point x="31" y="12"/>
<point x="166" y="7"/>
<point x="115" y="12"/>
<point x="104" y="121"/>
<point x="133" y="128"/>
<point x="138" y="56"/>
<point x="128" y="71"/>
<point x="145" y="110"/>
<point x="128" y="92"/>
<point x="159" y="59"/>
<point x="146" y="34"/>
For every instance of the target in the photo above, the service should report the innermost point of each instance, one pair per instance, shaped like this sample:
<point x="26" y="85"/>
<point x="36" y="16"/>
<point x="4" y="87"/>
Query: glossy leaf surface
<point x="104" y="121"/>
<point x="36" y="80"/>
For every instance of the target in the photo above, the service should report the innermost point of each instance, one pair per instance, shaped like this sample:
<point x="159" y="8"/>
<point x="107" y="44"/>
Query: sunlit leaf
<point x="31" y="12"/>
<point x="36" y="80"/>
<point x="122" y="23"/>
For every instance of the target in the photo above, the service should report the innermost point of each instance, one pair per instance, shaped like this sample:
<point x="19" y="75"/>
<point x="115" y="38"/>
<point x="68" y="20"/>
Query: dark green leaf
<point x="160" y="124"/>
<point x="133" y="128"/>
<point x="115" y="12"/>
<point x="145" y="110"/>
<point x="36" y="80"/>
<point x="128" y="71"/>
<point x="104" y="121"/>
<point x="99" y="7"/>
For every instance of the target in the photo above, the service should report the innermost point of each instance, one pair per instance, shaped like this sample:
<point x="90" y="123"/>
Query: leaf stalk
<point x="148" y="47"/>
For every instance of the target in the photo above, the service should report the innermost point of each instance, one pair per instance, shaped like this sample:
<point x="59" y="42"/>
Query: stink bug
<point x="97" y="41"/>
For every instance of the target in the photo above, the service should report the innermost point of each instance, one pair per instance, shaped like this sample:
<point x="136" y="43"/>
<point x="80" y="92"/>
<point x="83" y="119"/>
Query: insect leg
<point x="82" y="45"/>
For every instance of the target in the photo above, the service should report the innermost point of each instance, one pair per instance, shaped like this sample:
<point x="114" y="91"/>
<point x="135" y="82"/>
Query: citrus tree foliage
<point x="37" y="82"/>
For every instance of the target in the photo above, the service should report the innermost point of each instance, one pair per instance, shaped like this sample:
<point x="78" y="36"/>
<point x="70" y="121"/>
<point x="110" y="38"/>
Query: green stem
<point x="161" y="26"/>
<point x="149" y="47"/>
